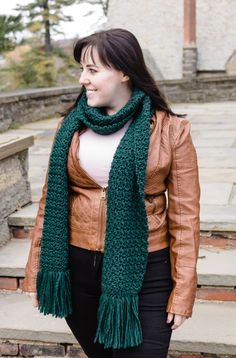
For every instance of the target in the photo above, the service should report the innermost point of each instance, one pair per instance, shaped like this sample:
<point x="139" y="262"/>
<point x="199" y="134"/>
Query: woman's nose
<point x="83" y="80"/>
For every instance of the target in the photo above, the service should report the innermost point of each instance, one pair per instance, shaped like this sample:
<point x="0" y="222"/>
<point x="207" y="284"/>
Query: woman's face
<point x="105" y="86"/>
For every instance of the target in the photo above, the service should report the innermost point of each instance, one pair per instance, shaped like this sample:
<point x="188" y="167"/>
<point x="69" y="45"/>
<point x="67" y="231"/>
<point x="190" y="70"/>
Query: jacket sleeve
<point x="32" y="266"/>
<point x="183" y="221"/>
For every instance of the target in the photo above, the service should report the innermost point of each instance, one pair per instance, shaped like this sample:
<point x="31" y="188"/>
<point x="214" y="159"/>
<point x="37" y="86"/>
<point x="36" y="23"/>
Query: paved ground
<point x="213" y="128"/>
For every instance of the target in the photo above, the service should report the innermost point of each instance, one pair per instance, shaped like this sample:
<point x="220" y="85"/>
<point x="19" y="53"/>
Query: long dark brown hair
<point x="119" y="49"/>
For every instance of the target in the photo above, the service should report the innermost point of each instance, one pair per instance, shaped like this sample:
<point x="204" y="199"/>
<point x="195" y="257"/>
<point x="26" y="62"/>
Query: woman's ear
<point x="125" y="78"/>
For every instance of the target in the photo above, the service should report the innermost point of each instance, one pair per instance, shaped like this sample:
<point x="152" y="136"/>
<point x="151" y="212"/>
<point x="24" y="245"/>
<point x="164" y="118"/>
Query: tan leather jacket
<point x="172" y="176"/>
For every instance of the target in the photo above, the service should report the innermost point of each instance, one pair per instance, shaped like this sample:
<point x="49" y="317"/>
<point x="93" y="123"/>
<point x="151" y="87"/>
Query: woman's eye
<point x="91" y="70"/>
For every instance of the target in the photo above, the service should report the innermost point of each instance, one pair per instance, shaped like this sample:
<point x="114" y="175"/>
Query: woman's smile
<point x="90" y="91"/>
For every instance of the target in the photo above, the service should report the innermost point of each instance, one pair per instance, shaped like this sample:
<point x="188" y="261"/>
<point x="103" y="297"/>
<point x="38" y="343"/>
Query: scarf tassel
<point x="54" y="293"/>
<point x="118" y="322"/>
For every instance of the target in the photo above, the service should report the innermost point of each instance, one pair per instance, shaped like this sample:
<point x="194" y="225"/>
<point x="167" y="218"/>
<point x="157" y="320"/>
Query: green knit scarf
<point x="126" y="242"/>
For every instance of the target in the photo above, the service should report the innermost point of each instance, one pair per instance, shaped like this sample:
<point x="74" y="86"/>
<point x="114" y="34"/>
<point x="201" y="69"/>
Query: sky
<point x="80" y="26"/>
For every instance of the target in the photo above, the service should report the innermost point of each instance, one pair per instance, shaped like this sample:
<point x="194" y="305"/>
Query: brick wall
<point x="13" y="348"/>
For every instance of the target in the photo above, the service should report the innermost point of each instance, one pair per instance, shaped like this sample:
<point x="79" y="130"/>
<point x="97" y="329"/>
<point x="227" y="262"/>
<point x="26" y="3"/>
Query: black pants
<point x="153" y="297"/>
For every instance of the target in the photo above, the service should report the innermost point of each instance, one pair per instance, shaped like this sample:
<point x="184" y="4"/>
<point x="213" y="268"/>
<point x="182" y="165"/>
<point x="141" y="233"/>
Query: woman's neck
<point x="121" y="100"/>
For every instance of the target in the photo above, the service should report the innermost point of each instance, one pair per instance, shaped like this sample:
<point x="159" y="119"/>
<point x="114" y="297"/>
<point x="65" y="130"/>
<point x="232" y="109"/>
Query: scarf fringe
<point x="54" y="293"/>
<point x="118" y="322"/>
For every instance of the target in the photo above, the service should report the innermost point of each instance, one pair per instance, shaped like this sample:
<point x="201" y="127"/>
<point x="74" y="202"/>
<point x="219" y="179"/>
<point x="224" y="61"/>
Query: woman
<point x="107" y="252"/>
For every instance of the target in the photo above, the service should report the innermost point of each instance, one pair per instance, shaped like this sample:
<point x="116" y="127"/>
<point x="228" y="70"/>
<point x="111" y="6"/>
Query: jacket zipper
<point x="101" y="220"/>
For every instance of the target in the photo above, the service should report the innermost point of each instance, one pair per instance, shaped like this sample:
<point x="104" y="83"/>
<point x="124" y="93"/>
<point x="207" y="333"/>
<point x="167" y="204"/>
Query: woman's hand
<point x="33" y="295"/>
<point x="178" y="320"/>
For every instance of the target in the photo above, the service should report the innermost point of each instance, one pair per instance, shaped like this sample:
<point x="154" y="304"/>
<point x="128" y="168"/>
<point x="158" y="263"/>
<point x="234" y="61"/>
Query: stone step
<point x="218" y="217"/>
<point x="24" y="217"/>
<point x="215" y="231"/>
<point x="13" y="258"/>
<point x="216" y="269"/>
<point x="216" y="266"/>
<point x="212" y="328"/>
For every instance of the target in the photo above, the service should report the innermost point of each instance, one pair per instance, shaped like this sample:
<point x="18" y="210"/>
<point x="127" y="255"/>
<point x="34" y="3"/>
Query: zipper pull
<point x="103" y="194"/>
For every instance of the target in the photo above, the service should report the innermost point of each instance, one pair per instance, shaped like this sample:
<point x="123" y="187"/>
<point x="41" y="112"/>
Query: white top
<point x="96" y="152"/>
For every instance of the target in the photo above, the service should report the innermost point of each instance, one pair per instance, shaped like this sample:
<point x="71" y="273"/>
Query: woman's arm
<point x="32" y="266"/>
<point x="183" y="221"/>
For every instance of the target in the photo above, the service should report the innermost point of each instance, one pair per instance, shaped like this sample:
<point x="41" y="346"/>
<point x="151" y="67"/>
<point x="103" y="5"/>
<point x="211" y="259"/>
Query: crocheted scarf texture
<point x="126" y="241"/>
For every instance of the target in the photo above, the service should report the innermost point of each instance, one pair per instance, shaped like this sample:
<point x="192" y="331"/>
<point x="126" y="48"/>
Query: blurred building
<point x="181" y="38"/>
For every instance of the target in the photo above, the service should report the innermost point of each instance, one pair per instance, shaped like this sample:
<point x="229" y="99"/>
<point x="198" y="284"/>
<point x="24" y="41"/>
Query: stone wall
<point x="31" y="105"/>
<point x="34" y="104"/>
<point x="14" y="185"/>
<point x="221" y="88"/>
<point x="158" y="25"/>
<point x="216" y="33"/>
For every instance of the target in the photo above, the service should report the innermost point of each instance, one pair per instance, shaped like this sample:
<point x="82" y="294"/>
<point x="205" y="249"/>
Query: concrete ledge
<point x="10" y="145"/>
<point x="210" y="330"/>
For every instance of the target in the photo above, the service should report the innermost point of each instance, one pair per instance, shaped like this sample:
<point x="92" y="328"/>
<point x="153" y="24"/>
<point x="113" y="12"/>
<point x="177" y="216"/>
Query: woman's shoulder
<point x="171" y="124"/>
<point x="173" y="120"/>
<point x="167" y="119"/>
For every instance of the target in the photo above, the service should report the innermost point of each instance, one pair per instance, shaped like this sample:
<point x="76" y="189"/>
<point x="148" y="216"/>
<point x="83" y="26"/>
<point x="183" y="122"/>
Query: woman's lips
<point x="89" y="92"/>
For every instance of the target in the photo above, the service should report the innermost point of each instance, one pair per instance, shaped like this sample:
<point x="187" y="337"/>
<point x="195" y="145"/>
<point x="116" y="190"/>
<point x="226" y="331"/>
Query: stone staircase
<point x="211" y="332"/>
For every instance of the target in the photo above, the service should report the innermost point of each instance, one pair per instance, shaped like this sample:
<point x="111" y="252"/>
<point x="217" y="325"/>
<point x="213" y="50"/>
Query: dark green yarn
<point x="126" y="243"/>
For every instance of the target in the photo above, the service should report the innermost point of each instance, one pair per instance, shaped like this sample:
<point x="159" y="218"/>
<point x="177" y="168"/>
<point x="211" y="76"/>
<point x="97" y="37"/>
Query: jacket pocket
<point x="156" y="221"/>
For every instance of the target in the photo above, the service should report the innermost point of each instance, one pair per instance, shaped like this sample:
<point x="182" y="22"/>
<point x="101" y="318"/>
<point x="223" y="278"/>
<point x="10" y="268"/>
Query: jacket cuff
<point x="182" y="297"/>
<point x="29" y="284"/>
<point x="176" y="306"/>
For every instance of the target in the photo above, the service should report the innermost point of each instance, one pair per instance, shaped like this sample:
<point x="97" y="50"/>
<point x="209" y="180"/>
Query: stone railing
<point x="14" y="185"/>
<point x="31" y="105"/>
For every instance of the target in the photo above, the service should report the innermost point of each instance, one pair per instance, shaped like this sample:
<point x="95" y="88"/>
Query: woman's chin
<point x="93" y="103"/>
